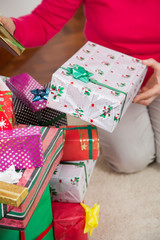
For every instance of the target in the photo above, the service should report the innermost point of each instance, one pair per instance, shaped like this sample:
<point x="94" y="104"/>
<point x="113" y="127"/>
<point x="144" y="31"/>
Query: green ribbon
<point x="79" y="72"/>
<point x="80" y="164"/>
<point x="17" y="44"/>
<point x="83" y="75"/>
<point x="89" y="128"/>
<point x="48" y="123"/>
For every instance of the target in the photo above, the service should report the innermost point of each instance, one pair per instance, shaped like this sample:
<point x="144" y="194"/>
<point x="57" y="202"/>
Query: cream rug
<point x="129" y="204"/>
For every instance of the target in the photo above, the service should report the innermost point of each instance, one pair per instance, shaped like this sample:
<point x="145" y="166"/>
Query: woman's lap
<point x="130" y="147"/>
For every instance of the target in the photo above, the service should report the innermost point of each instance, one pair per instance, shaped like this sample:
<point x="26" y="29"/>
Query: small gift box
<point x="9" y="42"/>
<point x="85" y="141"/>
<point x="36" y="180"/>
<point x="70" y="181"/>
<point x="6" y="107"/>
<point x="39" y="226"/>
<point x="44" y="117"/>
<point x="21" y="147"/>
<point x="29" y="91"/>
<point x="97" y="85"/>
<point x="12" y="194"/>
<point x="68" y="221"/>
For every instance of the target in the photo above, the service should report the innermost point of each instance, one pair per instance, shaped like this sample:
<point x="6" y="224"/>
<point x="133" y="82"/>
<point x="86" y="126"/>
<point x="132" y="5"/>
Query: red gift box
<point x="6" y="110"/>
<point x="80" y="143"/>
<point x="69" y="221"/>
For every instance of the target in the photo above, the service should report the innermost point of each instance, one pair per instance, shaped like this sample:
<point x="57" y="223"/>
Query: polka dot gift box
<point x="29" y="91"/>
<point x="97" y="85"/>
<point x="21" y="148"/>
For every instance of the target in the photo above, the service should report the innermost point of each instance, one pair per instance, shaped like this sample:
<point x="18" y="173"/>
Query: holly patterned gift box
<point x="6" y="107"/>
<point x="29" y="91"/>
<point x="97" y="85"/>
<point x="70" y="181"/>
<point x="36" y="180"/>
<point x="39" y="226"/>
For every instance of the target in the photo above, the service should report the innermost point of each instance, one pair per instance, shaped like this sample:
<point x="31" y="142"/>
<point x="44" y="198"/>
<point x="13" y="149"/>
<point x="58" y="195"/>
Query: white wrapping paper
<point x="69" y="182"/>
<point x="94" y="103"/>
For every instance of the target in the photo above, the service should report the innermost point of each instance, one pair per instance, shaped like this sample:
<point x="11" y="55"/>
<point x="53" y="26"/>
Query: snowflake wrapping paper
<point x="22" y="85"/>
<point x="21" y="147"/>
<point x="96" y="84"/>
<point x="6" y="107"/>
<point x="70" y="181"/>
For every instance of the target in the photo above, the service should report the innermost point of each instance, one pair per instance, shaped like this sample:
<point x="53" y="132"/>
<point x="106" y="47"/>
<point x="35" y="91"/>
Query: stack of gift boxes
<point x="97" y="85"/>
<point x="25" y="210"/>
<point x="38" y="151"/>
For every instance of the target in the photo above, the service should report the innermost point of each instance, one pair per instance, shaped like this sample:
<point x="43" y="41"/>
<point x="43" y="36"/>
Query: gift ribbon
<point x="92" y="217"/>
<point x="80" y="164"/>
<point x="83" y="75"/>
<point x="41" y="236"/>
<point x="18" y="45"/>
<point x="40" y="94"/>
<point x="89" y="128"/>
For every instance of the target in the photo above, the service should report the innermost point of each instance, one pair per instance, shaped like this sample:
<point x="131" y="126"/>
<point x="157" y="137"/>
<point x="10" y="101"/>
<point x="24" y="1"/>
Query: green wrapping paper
<point x="39" y="222"/>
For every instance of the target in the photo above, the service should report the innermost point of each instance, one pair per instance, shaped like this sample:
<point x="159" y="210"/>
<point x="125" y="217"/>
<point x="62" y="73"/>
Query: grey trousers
<point x="135" y="142"/>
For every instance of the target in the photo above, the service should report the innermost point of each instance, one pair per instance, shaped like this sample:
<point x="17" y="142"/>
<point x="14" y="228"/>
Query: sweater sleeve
<point x="47" y="19"/>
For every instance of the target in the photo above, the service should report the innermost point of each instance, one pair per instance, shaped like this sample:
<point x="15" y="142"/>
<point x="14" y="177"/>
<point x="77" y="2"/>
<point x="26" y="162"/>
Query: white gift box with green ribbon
<point x="70" y="181"/>
<point x="96" y="84"/>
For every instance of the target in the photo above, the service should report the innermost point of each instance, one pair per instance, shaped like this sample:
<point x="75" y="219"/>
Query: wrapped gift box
<point x="12" y="194"/>
<point x="97" y="85"/>
<point x="85" y="140"/>
<point x="39" y="226"/>
<point x="69" y="221"/>
<point x="29" y="91"/>
<point x="6" y="107"/>
<point x="21" y="147"/>
<point x="44" y="117"/>
<point x="36" y="180"/>
<point x="9" y="42"/>
<point x="70" y="181"/>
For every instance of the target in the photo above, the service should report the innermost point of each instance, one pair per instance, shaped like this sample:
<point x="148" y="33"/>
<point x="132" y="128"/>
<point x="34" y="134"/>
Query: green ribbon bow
<point x="79" y="72"/>
<point x="83" y="75"/>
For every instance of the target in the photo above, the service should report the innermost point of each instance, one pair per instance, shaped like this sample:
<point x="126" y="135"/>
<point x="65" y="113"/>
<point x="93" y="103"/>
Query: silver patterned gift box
<point x="96" y="84"/>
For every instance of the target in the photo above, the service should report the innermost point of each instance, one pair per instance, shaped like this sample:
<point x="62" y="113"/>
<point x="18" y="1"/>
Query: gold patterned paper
<point x="12" y="194"/>
<point x="8" y="42"/>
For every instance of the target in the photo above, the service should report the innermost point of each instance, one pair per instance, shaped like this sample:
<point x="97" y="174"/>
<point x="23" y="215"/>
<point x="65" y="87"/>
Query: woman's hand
<point x="152" y="88"/>
<point x="8" y="24"/>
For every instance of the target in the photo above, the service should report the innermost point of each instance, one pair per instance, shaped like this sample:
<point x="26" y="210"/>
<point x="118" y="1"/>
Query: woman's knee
<point x="129" y="163"/>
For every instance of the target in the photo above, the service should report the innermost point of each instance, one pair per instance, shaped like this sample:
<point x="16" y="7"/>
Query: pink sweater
<point x="128" y="26"/>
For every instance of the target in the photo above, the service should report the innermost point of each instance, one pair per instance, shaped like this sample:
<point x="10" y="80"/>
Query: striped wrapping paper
<point x="36" y="180"/>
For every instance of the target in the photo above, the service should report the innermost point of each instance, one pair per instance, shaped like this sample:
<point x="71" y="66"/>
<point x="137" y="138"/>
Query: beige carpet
<point x="129" y="204"/>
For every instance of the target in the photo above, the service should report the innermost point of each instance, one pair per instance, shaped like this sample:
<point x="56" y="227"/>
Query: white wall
<point x="16" y="8"/>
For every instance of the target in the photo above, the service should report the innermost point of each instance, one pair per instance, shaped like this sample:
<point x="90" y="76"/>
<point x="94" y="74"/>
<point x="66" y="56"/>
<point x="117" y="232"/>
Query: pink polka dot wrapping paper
<point x="21" y="148"/>
<point x="21" y="85"/>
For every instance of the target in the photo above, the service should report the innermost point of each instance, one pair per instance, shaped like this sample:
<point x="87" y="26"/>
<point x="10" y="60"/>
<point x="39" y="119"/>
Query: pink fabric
<point x="128" y="26"/>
